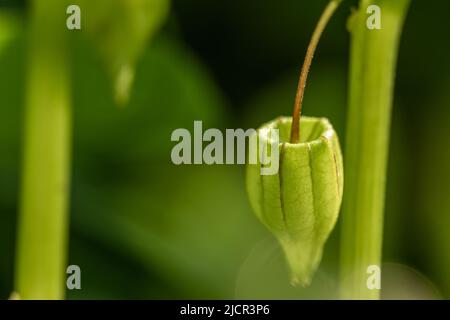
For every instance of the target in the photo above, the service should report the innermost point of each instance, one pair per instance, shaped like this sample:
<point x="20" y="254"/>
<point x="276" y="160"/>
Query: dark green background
<point x="144" y="228"/>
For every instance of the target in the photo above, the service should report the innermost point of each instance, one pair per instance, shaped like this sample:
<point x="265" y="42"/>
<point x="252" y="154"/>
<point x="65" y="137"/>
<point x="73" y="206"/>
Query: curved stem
<point x="326" y="15"/>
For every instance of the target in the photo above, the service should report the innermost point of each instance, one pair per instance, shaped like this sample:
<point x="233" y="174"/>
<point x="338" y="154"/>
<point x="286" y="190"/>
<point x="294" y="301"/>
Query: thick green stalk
<point x="41" y="248"/>
<point x="372" y="74"/>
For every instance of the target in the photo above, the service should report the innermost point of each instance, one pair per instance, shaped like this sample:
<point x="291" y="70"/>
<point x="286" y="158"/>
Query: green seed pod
<point x="300" y="203"/>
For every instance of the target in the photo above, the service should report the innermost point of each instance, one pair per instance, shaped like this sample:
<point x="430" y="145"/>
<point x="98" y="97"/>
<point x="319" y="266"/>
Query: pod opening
<point x="310" y="128"/>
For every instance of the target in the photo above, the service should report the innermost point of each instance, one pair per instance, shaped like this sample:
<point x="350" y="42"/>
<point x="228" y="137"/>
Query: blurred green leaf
<point x="128" y="195"/>
<point x="172" y="90"/>
<point x="120" y="30"/>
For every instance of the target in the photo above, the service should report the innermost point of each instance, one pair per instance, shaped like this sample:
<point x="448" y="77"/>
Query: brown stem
<point x="326" y="15"/>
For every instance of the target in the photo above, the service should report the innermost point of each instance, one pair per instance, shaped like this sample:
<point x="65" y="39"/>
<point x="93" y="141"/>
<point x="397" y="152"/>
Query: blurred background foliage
<point x="142" y="227"/>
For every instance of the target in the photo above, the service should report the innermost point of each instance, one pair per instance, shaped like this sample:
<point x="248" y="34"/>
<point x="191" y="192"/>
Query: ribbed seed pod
<point x="300" y="203"/>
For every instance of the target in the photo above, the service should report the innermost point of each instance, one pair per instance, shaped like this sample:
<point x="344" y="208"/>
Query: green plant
<point x="372" y="71"/>
<point x="43" y="221"/>
<point x="119" y="30"/>
<point x="41" y="248"/>
<point x="300" y="203"/>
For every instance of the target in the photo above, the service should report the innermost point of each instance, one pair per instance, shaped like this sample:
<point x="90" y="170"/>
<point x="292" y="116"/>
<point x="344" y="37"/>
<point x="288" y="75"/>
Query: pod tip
<point x="300" y="282"/>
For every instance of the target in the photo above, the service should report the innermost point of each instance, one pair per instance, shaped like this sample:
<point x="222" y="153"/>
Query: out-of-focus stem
<point x="42" y="227"/>
<point x="372" y="74"/>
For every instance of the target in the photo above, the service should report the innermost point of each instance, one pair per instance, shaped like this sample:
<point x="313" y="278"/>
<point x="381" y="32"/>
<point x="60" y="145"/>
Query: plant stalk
<point x="372" y="74"/>
<point x="42" y="225"/>
<point x="323" y="21"/>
